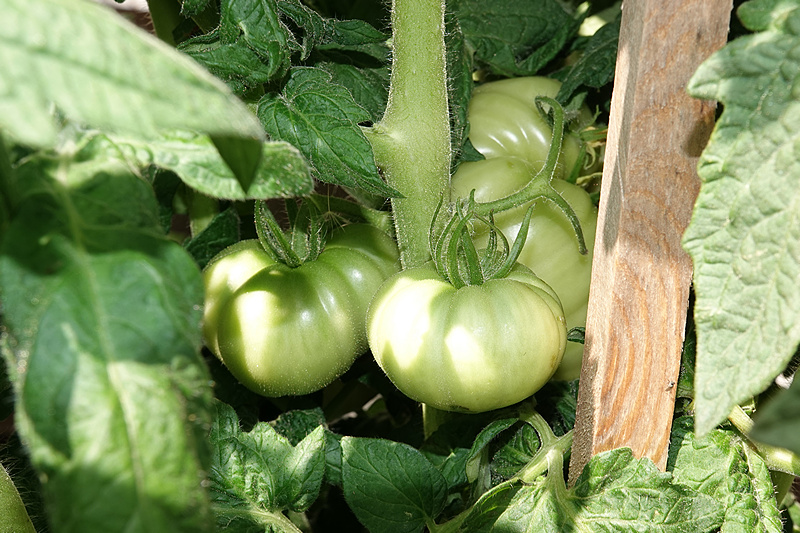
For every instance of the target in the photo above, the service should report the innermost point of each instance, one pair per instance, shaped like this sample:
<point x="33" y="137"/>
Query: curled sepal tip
<point x="453" y="250"/>
<point x="304" y="239"/>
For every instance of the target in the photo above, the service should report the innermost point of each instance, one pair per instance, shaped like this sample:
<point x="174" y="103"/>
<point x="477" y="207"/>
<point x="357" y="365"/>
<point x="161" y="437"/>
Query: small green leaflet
<point x="724" y="467"/>
<point x="328" y="33"/>
<point x="538" y="30"/>
<point x="193" y="7"/>
<point x="459" y="91"/>
<point x="369" y="86"/>
<point x="595" y="66"/>
<point x="236" y="63"/>
<point x="744" y="237"/>
<point x="321" y="119"/>
<point x="258" y="474"/>
<point x="113" y="398"/>
<point x="98" y="68"/>
<point x="257" y="25"/>
<point x="615" y="493"/>
<point x="391" y="487"/>
<point x="460" y="462"/>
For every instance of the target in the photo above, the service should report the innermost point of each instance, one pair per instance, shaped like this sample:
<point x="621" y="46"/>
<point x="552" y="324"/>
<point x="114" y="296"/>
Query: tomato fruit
<point x="472" y="349"/>
<point x="290" y="331"/>
<point x="508" y="130"/>
<point x="551" y="249"/>
<point x="504" y="122"/>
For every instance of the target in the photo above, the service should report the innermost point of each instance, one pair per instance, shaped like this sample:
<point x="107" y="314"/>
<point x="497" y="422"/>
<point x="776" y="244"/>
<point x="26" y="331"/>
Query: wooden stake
<point x="641" y="274"/>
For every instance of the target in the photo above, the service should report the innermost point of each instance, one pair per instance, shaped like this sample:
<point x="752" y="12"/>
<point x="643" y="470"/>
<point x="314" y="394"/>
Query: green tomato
<point x="551" y="248"/>
<point x="473" y="349"/>
<point x="504" y="121"/>
<point x="289" y="331"/>
<point x="508" y="130"/>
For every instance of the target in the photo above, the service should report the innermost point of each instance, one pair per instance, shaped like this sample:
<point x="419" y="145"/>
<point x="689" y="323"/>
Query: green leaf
<point x="596" y="64"/>
<point x="459" y="91"/>
<point x="298" y="424"/>
<point x="483" y="515"/>
<point x="744" y="236"/>
<point x="258" y="26"/>
<point x="760" y="15"/>
<point x="103" y="313"/>
<point x="516" y="453"/>
<point x="723" y="467"/>
<point x="463" y="459"/>
<point x="369" y="86"/>
<point x="257" y="474"/>
<point x="193" y="7"/>
<point x="523" y="36"/>
<point x="100" y="69"/>
<point x="15" y="516"/>
<point x="236" y="63"/>
<point x="778" y="422"/>
<point x="221" y="232"/>
<point x="328" y="33"/>
<point x="321" y="119"/>
<point x="282" y="170"/>
<point x="615" y="493"/>
<point x="390" y="486"/>
<point x="242" y="156"/>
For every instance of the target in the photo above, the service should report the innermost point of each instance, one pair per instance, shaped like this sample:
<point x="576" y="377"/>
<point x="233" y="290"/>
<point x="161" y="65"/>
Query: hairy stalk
<point x="412" y="140"/>
<point x="776" y="458"/>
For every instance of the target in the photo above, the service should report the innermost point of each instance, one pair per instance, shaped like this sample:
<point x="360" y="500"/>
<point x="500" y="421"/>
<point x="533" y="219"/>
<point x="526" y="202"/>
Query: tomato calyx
<point x="302" y="242"/>
<point x="454" y="253"/>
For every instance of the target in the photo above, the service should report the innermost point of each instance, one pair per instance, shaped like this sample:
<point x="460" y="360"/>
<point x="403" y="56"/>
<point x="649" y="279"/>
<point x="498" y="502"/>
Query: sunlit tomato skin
<point x="504" y="121"/>
<point x="471" y="349"/>
<point x="290" y="331"/>
<point x="551" y="248"/>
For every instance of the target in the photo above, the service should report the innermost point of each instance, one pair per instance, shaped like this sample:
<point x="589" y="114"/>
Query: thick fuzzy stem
<point x="412" y="140"/>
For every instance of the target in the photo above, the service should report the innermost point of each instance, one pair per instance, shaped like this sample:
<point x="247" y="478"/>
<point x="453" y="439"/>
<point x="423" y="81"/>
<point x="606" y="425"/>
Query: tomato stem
<point x="411" y="143"/>
<point x="539" y="187"/>
<point x="778" y="459"/>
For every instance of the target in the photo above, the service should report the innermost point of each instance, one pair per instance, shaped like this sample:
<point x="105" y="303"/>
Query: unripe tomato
<point x="508" y="130"/>
<point x="551" y="249"/>
<point x="472" y="349"/>
<point x="290" y="331"/>
<point x="504" y="121"/>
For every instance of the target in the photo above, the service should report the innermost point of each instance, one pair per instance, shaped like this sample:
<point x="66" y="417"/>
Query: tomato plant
<point x="131" y="167"/>
<point x="283" y="330"/>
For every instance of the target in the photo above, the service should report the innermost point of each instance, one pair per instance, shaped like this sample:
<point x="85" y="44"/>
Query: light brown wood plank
<point x="641" y="276"/>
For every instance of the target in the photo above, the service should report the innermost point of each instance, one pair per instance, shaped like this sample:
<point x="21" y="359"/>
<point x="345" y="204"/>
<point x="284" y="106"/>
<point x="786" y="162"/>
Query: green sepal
<point x="454" y="253"/>
<point x="302" y="242"/>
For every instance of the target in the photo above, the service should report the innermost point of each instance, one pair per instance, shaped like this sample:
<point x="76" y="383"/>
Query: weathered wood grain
<point x="641" y="276"/>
